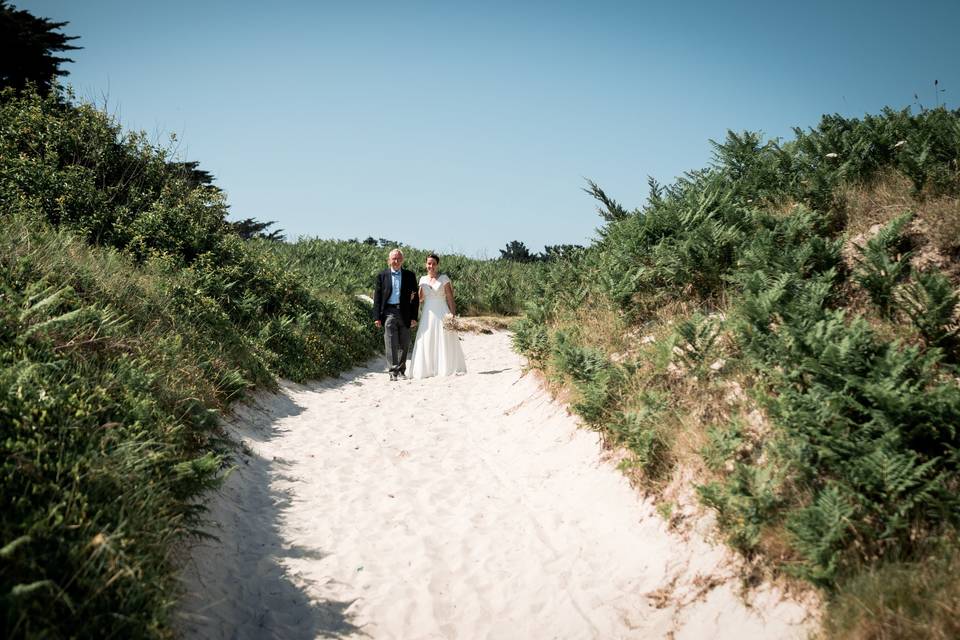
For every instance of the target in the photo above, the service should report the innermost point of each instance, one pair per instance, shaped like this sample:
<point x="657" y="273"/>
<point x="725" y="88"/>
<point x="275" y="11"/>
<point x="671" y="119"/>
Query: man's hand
<point x="377" y="322"/>
<point x="413" y="323"/>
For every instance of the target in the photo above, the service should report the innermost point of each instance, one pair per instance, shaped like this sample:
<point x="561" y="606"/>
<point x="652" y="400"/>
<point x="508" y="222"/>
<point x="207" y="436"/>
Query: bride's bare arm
<point x="448" y="290"/>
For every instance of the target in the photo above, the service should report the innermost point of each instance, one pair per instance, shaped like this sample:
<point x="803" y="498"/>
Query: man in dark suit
<point x="395" y="307"/>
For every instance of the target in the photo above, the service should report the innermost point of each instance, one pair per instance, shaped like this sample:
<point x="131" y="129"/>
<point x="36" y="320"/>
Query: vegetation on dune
<point x="786" y="322"/>
<point x="131" y="315"/>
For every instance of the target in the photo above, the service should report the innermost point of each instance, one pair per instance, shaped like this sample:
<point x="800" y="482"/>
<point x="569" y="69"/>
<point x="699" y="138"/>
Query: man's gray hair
<point x="393" y="251"/>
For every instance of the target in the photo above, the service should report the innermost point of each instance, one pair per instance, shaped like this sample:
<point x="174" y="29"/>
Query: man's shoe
<point x="402" y="375"/>
<point x="393" y="377"/>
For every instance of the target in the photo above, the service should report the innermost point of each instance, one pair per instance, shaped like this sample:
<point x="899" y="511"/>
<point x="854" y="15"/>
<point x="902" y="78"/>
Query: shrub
<point x="595" y="378"/>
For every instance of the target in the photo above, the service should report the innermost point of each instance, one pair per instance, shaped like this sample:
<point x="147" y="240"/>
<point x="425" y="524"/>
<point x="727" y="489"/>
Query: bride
<point x="436" y="351"/>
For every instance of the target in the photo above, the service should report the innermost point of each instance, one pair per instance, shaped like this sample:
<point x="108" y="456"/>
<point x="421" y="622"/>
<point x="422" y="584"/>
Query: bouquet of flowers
<point x="451" y="322"/>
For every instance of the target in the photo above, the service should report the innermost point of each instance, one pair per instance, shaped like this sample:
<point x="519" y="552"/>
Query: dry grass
<point x="599" y="325"/>
<point x="934" y="231"/>
<point x="484" y="324"/>
<point x="877" y="203"/>
<point x="933" y="235"/>
<point x="696" y="404"/>
<point x="694" y="400"/>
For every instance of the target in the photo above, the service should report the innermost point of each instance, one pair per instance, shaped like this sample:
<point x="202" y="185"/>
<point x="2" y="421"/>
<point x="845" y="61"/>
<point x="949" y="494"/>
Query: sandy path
<point x="461" y="507"/>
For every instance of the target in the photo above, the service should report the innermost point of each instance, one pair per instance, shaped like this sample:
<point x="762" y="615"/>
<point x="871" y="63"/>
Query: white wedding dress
<point x="436" y="351"/>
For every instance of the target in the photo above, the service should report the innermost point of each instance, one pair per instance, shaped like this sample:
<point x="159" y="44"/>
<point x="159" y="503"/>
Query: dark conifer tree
<point x="28" y="45"/>
<point x="516" y="251"/>
<point x="249" y="228"/>
<point x="192" y="172"/>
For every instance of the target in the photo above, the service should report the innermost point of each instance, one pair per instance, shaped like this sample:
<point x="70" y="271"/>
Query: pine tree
<point x="28" y="45"/>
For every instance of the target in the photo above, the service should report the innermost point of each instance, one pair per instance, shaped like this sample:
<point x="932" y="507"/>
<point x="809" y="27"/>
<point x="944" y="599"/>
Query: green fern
<point x="882" y="264"/>
<point x="746" y="502"/>
<point x="821" y="532"/>
<point x="697" y="339"/>
<point x="639" y="431"/>
<point x="723" y="442"/>
<point x="930" y="301"/>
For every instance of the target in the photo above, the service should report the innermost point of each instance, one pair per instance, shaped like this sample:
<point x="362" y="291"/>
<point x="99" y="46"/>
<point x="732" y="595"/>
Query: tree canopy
<point x="28" y="48"/>
<point x="516" y="251"/>
<point x="249" y="228"/>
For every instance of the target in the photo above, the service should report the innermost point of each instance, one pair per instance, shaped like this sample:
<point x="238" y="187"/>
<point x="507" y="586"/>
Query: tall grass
<point x="917" y="598"/>
<point x="481" y="287"/>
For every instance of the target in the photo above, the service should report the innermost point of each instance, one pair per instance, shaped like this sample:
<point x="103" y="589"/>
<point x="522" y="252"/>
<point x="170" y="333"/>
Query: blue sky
<point x="460" y="126"/>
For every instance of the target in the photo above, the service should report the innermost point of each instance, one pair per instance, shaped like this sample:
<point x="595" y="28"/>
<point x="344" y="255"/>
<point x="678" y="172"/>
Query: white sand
<point x="461" y="507"/>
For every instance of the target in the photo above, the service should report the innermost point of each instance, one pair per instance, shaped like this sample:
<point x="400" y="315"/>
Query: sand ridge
<point x="462" y="507"/>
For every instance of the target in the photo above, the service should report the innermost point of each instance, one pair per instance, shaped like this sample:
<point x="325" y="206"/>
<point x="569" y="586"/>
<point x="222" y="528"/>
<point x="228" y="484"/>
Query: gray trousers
<point x="396" y="341"/>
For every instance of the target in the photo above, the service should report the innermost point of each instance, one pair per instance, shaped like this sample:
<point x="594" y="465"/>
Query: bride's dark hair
<point x="435" y="257"/>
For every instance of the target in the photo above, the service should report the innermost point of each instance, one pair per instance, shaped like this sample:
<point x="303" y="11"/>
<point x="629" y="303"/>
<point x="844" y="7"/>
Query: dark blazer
<point x="409" y="302"/>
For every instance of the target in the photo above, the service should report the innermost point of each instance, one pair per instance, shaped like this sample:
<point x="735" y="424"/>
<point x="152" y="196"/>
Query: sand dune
<point x="461" y="507"/>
